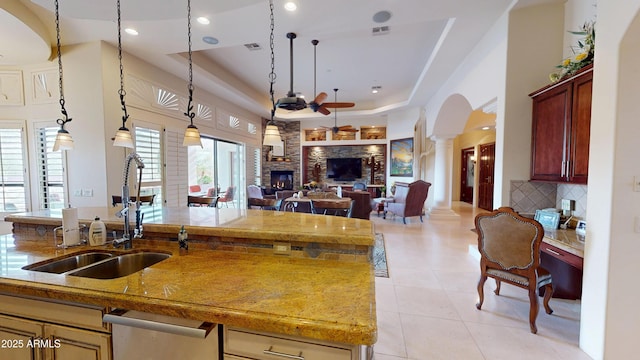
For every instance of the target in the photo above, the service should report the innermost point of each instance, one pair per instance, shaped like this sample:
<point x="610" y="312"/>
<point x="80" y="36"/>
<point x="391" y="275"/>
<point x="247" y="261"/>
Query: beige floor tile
<point x="426" y="309"/>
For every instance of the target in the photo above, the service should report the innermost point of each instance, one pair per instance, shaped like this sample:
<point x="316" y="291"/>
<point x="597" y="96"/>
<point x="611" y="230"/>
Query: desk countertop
<point x="566" y="240"/>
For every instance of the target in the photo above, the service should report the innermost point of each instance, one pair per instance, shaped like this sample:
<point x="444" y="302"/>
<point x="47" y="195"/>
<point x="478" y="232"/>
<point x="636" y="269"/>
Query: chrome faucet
<point x="124" y="212"/>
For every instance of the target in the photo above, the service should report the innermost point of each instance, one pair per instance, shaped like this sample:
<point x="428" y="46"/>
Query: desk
<point x="562" y="252"/>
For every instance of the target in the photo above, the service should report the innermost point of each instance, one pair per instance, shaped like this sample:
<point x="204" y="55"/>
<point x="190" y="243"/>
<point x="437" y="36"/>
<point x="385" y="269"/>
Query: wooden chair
<point x="144" y="199"/>
<point x="359" y="186"/>
<point x="202" y="201"/>
<point x="332" y="207"/>
<point x="228" y="196"/>
<point x="509" y="246"/>
<point x="264" y="204"/>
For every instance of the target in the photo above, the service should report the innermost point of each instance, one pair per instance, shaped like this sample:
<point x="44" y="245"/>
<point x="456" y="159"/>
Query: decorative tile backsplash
<point x="527" y="196"/>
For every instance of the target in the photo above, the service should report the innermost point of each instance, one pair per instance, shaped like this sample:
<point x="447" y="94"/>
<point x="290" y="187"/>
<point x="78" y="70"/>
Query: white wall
<point x="610" y="315"/>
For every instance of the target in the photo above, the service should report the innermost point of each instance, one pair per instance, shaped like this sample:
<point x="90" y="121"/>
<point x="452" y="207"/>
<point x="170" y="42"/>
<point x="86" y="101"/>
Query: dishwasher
<point x="140" y="335"/>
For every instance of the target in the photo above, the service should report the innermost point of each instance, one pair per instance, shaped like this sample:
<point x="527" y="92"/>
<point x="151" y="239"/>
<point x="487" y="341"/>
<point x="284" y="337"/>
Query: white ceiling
<point x="427" y="40"/>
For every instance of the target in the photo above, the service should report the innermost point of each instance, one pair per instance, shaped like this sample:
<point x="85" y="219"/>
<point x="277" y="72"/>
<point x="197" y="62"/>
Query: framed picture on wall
<point x="402" y="157"/>
<point x="278" y="151"/>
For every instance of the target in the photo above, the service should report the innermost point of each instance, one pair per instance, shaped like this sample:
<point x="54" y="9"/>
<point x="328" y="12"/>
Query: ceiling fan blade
<point x="320" y="98"/>
<point x="323" y="110"/>
<point x="348" y="129"/>
<point x="339" y="105"/>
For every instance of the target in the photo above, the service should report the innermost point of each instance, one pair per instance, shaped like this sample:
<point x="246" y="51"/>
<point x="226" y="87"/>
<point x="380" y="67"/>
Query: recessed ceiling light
<point x="375" y="89"/>
<point x="131" y="31"/>
<point x="381" y="16"/>
<point x="486" y="127"/>
<point x="210" y="40"/>
<point x="290" y="5"/>
<point x="203" y="20"/>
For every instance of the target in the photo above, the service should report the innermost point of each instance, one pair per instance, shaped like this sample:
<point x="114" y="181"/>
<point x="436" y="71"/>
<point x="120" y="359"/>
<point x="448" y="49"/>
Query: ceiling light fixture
<point x="64" y="141"/>
<point x="291" y="5"/>
<point x="203" y="20"/>
<point x="123" y="136"/>
<point x="210" y="40"/>
<point x="271" y="133"/>
<point x="375" y="89"/>
<point x="131" y="31"/>
<point x="191" y="135"/>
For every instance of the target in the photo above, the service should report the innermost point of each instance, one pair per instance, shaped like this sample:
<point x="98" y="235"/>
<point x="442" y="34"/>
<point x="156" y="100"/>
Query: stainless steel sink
<point x="121" y="265"/>
<point x="100" y="265"/>
<point x="69" y="263"/>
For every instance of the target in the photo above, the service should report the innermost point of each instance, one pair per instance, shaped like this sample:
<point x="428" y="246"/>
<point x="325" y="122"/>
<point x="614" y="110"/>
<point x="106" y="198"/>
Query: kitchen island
<point x="320" y="287"/>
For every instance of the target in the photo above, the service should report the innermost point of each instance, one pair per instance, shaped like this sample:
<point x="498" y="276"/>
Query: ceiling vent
<point x="380" y="30"/>
<point x="253" y="46"/>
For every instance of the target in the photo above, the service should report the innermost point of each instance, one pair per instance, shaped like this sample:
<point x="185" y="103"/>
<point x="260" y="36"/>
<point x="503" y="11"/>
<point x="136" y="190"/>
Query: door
<point x="467" y="175"/>
<point x="486" y="164"/>
<point x="17" y="337"/>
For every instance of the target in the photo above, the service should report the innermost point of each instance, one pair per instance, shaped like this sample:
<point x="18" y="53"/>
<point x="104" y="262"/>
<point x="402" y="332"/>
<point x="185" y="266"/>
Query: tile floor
<point x="426" y="308"/>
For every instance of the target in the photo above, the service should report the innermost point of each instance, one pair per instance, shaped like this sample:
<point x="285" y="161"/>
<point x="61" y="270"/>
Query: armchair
<point x="408" y="200"/>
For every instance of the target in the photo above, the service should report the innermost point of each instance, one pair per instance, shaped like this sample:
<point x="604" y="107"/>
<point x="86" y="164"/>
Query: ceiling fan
<point x="291" y="101"/>
<point x="318" y="104"/>
<point x="336" y="129"/>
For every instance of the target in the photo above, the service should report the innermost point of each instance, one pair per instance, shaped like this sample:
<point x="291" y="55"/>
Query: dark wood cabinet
<point x="561" y="128"/>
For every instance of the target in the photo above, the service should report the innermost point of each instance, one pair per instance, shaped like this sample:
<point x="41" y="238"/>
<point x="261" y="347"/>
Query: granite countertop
<point x="238" y="223"/>
<point x="320" y="298"/>
<point x="565" y="239"/>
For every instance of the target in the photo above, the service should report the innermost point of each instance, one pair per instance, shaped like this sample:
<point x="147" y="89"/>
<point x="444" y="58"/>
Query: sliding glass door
<point x="217" y="169"/>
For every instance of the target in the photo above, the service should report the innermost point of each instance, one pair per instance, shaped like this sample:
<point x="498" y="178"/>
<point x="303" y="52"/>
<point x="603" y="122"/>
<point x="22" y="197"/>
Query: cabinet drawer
<point x="274" y="347"/>
<point x="562" y="255"/>
<point x="77" y="315"/>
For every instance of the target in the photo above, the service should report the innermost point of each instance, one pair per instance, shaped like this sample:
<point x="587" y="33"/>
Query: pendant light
<point x="191" y="135"/>
<point x="63" y="138"/>
<point x="271" y="132"/>
<point x="123" y="136"/>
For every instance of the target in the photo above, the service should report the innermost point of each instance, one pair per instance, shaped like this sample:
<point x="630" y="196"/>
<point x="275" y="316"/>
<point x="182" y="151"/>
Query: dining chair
<point x="341" y="207"/>
<point x="227" y="198"/>
<point x="359" y="186"/>
<point x="202" y="201"/>
<point x="264" y="204"/>
<point x="144" y="199"/>
<point x="509" y="246"/>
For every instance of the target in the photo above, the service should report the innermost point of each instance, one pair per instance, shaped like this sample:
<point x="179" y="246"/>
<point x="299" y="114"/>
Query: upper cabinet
<point x="561" y="122"/>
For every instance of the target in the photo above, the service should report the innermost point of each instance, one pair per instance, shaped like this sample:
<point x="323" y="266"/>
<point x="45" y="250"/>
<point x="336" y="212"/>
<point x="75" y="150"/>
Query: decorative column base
<point x="443" y="214"/>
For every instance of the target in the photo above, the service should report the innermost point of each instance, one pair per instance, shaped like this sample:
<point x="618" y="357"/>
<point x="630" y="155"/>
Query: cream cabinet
<point x="241" y="344"/>
<point x="36" y="329"/>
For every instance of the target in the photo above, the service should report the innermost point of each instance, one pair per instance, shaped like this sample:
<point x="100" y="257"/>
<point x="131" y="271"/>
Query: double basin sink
<point x="99" y="264"/>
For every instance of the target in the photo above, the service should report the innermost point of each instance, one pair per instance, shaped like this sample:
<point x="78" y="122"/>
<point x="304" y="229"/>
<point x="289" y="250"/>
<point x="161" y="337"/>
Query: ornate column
<point x="443" y="177"/>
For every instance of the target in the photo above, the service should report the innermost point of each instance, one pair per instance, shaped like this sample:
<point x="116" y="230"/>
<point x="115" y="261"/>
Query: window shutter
<point x="12" y="170"/>
<point x="176" y="170"/>
<point x="50" y="170"/>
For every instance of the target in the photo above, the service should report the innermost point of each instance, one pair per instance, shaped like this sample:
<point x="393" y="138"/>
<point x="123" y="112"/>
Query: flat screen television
<point x="344" y="169"/>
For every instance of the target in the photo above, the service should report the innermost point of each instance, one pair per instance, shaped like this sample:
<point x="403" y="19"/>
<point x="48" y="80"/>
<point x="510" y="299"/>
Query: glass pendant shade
<point x="64" y="141"/>
<point x="272" y="136"/>
<point x="192" y="137"/>
<point x="123" y="138"/>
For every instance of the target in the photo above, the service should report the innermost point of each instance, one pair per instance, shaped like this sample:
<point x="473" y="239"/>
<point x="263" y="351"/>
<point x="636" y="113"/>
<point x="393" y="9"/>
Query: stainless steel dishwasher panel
<point x="139" y="335"/>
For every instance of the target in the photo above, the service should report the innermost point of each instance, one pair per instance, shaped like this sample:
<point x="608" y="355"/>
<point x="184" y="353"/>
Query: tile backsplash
<point x="527" y="196"/>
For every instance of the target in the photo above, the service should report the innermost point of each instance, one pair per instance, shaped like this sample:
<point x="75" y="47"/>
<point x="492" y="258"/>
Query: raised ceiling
<point x="425" y="42"/>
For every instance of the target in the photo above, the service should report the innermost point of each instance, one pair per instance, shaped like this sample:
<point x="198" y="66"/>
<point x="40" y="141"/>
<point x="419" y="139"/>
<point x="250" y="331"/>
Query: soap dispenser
<point x="97" y="232"/>
<point x="182" y="241"/>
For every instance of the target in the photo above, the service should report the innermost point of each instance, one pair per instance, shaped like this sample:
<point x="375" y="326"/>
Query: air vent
<point x="380" y="30"/>
<point x="253" y="46"/>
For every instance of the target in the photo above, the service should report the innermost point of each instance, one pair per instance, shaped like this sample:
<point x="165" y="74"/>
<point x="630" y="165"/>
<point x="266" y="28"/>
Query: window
<point x="147" y="143"/>
<point x="51" y="174"/>
<point x="12" y="170"/>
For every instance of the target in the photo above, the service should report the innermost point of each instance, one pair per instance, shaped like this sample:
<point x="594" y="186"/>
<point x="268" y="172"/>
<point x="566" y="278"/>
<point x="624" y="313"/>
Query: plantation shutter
<point x="51" y="175"/>
<point x="12" y="170"/>
<point x="176" y="170"/>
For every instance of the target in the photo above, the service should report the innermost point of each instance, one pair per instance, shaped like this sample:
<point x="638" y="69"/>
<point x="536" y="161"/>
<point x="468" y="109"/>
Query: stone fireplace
<point x="281" y="179"/>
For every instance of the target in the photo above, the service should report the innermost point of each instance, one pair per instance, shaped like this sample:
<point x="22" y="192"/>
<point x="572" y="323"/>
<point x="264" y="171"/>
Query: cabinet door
<point x="551" y="113"/>
<point x="16" y="338"/>
<point x="580" y="129"/>
<point x="75" y="344"/>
